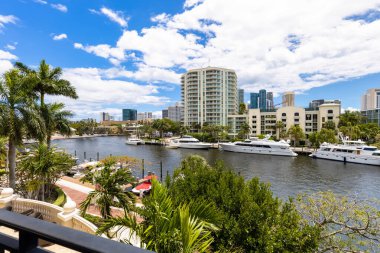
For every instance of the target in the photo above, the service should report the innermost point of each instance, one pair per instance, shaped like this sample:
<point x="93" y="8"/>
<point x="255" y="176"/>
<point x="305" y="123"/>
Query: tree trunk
<point x="48" y="140"/>
<point x="12" y="163"/>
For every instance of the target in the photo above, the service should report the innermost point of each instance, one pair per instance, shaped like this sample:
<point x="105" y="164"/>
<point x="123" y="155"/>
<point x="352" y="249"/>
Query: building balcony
<point x="61" y="229"/>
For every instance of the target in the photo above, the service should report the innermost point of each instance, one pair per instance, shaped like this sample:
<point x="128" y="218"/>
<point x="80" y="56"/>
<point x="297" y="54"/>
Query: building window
<point x="323" y="119"/>
<point x="283" y="114"/>
<point x="308" y="116"/>
<point x="297" y="120"/>
<point x="330" y="111"/>
<point x="296" y="114"/>
<point x="330" y="118"/>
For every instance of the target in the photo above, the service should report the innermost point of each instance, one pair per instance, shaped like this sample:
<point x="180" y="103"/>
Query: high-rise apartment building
<point x="144" y="115"/>
<point x="371" y="100"/>
<point x="254" y="98"/>
<point x="288" y="99"/>
<point x="129" y="114"/>
<point x="263" y="99"/>
<point x="241" y="96"/>
<point x="175" y="112"/>
<point x="209" y="95"/>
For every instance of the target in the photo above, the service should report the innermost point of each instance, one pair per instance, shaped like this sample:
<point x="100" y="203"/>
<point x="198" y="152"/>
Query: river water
<point x="288" y="176"/>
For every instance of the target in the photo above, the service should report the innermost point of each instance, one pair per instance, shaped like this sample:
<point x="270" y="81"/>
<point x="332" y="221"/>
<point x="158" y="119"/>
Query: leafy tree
<point x="42" y="169"/>
<point x="329" y="125"/>
<point x="369" y="131"/>
<point x="346" y="225"/>
<point x="251" y="218"/>
<point x="162" y="125"/>
<point x="167" y="227"/>
<point x="108" y="189"/>
<point x="314" y="139"/>
<point x="350" y="118"/>
<point x="242" y="108"/>
<point x="326" y="135"/>
<point x="296" y="133"/>
<point x="18" y="116"/>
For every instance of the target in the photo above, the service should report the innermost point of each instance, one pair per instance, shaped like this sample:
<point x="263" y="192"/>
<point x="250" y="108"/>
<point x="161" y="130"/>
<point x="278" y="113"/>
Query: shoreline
<point x="61" y="137"/>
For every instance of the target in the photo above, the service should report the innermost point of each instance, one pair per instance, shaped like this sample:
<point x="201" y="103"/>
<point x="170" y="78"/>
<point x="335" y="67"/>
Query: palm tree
<point x="296" y="133"/>
<point x="245" y="129"/>
<point x="56" y="119"/>
<point x="47" y="81"/>
<point x="167" y="228"/>
<point x="18" y="116"/>
<point x="44" y="168"/>
<point x="279" y="128"/>
<point x="108" y="191"/>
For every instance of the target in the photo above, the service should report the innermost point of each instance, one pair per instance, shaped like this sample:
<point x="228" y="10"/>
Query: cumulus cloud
<point x="11" y="46"/>
<point x="59" y="7"/>
<point x="6" y="19"/>
<point x="60" y="36"/>
<point x="115" y="16"/>
<point x="6" y="59"/>
<point x="296" y="46"/>
<point x="96" y="92"/>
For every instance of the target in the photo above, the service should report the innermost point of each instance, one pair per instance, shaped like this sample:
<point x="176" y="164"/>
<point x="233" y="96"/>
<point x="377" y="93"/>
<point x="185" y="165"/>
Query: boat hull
<point x="349" y="158"/>
<point x="194" y="145"/>
<point x="254" y="150"/>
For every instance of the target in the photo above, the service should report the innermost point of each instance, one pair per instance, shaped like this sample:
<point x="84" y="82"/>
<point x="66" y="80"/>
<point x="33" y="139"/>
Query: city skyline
<point x="115" y="53"/>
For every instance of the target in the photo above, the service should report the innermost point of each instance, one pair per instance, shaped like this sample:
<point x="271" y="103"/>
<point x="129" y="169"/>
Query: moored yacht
<point x="257" y="146"/>
<point x="134" y="141"/>
<point x="349" y="151"/>
<point x="188" y="142"/>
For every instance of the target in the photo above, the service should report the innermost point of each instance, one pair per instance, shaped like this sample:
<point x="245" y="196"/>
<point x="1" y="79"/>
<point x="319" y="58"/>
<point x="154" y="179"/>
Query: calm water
<point x="288" y="176"/>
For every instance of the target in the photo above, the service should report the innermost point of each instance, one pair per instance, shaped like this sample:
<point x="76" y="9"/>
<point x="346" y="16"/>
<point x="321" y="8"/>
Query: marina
<point x="288" y="176"/>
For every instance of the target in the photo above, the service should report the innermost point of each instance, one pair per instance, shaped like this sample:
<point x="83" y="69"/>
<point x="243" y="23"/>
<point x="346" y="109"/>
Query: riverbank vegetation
<point x="204" y="208"/>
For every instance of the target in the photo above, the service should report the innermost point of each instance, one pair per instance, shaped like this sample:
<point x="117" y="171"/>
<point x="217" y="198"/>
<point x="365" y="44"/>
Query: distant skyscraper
<point x="254" y="100"/>
<point x="144" y="115"/>
<point x="175" y="112"/>
<point x="241" y="96"/>
<point x="263" y="99"/>
<point x="371" y="100"/>
<point x="129" y="114"/>
<point x="165" y="113"/>
<point x="104" y="116"/>
<point x="270" y="104"/>
<point x="288" y="99"/>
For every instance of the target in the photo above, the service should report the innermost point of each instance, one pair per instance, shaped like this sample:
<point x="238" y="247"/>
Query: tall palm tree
<point x="47" y="81"/>
<point x="108" y="191"/>
<point x="296" y="133"/>
<point x="279" y="128"/>
<point x="18" y="116"/>
<point x="168" y="228"/>
<point x="56" y="119"/>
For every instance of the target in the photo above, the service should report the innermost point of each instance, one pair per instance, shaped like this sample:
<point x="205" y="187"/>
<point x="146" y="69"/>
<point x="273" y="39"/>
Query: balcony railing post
<point x="27" y="241"/>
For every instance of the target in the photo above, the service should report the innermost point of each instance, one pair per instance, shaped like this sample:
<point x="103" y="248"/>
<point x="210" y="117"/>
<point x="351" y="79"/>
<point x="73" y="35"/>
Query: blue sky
<point x="130" y="54"/>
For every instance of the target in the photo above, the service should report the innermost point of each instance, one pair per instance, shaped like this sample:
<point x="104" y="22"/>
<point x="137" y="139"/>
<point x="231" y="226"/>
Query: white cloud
<point x="296" y="46"/>
<point x="10" y="46"/>
<point x="115" y="16"/>
<point x="6" y="20"/>
<point x="6" y="59"/>
<point x="351" y="109"/>
<point x="60" y="36"/>
<point x="40" y="1"/>
<point x="97" y="92"/>
<point x="59" y="7"/>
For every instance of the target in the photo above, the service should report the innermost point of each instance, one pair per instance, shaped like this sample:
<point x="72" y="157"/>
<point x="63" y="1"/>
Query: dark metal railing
<point x="32" y="229"/>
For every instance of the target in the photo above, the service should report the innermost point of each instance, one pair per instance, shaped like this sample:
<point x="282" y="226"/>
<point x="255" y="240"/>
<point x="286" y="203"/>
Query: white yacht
<point x="257" y="146"/>
<point x="134" y="141"/>
<point x="349" y="151"/>
<point x="188" y="142"/>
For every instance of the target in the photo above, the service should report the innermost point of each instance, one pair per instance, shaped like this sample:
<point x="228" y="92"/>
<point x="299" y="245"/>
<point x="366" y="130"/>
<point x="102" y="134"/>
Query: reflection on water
<point x="288" y="175"/>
